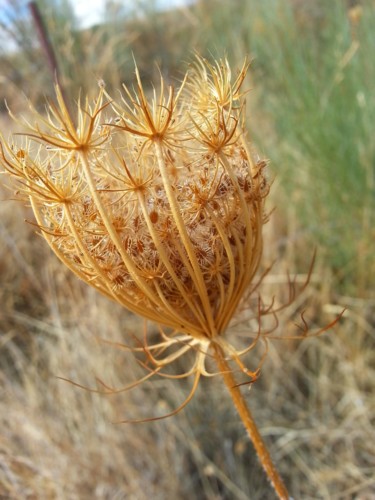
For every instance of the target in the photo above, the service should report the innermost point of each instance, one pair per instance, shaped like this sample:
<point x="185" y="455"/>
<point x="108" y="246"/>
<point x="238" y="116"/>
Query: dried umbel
<point x="159" y="205"/>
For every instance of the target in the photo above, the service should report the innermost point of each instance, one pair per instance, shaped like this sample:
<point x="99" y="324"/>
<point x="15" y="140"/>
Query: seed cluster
<point x="156" y="203"/>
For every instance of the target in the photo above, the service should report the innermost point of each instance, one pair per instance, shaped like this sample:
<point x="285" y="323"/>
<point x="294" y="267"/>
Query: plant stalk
<point x="250" y="425"/>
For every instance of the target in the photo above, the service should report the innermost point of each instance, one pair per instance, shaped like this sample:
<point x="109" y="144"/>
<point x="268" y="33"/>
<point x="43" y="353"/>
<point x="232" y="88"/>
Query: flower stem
<point x="250" y="425"/>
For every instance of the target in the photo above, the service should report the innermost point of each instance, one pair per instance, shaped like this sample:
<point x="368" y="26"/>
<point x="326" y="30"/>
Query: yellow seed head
<point x="157" y="203"/>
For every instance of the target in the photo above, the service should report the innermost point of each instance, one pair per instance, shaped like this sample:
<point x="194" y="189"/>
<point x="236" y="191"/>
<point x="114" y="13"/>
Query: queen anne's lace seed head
<point x="158" y="204"/>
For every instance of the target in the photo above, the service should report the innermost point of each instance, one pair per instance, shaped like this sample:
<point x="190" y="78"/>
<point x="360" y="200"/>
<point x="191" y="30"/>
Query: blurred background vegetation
<point x="311" y="111"/>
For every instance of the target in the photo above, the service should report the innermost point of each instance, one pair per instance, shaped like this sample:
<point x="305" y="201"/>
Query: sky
<point x="90" y="12"/>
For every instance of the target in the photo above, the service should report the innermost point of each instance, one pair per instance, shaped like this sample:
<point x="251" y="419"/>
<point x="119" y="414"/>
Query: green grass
<point x="317" y="91"/>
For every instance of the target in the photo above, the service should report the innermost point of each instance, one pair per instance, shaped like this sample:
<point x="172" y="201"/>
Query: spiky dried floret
<point x="213" y="84"/>
<point x="151" y="120"/>
<point x="58" y="129"/>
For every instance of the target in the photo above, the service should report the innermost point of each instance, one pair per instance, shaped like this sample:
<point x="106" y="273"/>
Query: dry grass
<point x="314" y="401"/>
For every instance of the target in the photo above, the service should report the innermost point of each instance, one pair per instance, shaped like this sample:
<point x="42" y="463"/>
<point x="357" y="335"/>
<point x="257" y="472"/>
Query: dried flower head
<point x="159" y="207"/>
<point x="159" y="204"/>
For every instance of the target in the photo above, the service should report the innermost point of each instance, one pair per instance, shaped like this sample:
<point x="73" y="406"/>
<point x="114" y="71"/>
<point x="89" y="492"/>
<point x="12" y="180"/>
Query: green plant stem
<point x="251" y="427"/>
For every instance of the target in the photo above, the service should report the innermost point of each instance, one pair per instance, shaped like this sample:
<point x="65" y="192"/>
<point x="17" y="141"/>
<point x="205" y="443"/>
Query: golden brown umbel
<point x="159" y="205"/>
